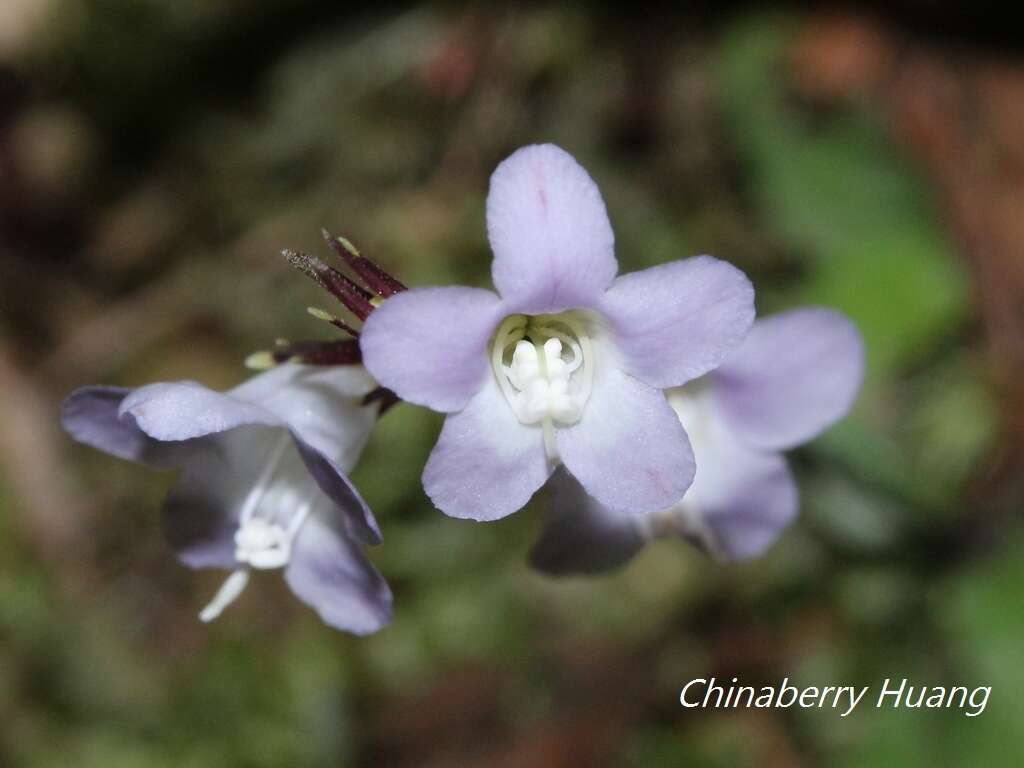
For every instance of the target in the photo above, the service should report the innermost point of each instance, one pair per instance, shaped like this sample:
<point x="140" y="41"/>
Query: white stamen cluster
<point x="262" y="544"/>
<point x="545" y="367"/>
<point x="541" y="377"/>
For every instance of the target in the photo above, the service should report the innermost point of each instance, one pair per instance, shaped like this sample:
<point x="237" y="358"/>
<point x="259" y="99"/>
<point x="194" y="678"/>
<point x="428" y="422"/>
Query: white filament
<point x="226" y="595"/>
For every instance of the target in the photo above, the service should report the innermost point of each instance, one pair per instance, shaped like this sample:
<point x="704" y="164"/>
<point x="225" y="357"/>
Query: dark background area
<point x="156" y="156"/>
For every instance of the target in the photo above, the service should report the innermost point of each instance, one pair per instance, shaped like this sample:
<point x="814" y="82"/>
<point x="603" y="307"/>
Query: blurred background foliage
<point x="155" y="156"/>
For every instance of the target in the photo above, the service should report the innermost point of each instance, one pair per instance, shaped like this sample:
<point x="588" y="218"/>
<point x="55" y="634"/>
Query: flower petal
<point x="429" y="345"/>
<point x="486" y="464"/>
<point x="549" y="230"/>
<point x="182" y="410"/>
<point x="322" y="405"/>
<point x="329" y="573"/>
<point x="339" y="382"/>
<point x="581" y="536"/>
<point x="741" y="500"/>
<point x="356" y="515"/>
<point x="629" y="450"/>
<point x="679" y="320"/>
<point x="200" y="514"/>
<point x="91" y="415"/>
<point x="796" y="374"/>
<point x="742" y="497"/>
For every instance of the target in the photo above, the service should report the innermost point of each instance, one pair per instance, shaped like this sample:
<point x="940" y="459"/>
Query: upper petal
<point x="429" y="345"/>
<point x="580" y="535"/>
<point x="628" y="450"/>
<point x="322" y="405"/>
<point x="328" y="572"/>
<point x="796" y="374"/>
<point x="343" y="382"/>
<point x="486" y="464"/>
<point x="679" y="320"/>
<point x="92" y="415"/>
<point x="181" y="410"/>
<point x="549" y="230"/>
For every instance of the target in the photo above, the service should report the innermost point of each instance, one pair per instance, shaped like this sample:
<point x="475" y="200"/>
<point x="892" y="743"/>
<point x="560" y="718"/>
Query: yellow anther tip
<point x="320" y="314"/>
<point x="259" y="361"/>
<point x="348" y="246"/>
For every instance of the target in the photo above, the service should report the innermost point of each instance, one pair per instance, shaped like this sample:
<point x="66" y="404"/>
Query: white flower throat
<point x="685" y="518"/>
<point x="271" y="516"/>
<point x="545" y="367"/>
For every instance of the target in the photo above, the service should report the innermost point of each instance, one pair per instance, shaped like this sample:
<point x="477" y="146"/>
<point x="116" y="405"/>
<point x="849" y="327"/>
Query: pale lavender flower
<point x="263" y="480"/>
<point x="796" y="374"/>
<point x="566" y="363"/>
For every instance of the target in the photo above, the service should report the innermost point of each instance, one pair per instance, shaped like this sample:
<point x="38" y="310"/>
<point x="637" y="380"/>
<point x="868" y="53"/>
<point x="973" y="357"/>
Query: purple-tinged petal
<point x="356" y="515"/>
<point x="486" y="464"/>
<point x="549" y="230"/>
<point x="629" y="450"/>
<point x="182" y="410"/>
<point x="329" y="573"/>
<point x="581" y="536"/>
<point x="200" y="514"/>
<point x="429" y="345"/>
<point x="741" y="513"/>
<point x="677" y="321"/>
<point x="742" y="497"/>
<point x="796" y="374"/>
<point x="320" y="404"/>
<point x="91" y="415"/>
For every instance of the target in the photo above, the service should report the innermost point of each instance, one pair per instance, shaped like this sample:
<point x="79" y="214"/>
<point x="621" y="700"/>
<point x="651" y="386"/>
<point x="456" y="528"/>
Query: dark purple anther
<point x="344" y="352"/>
<point x="354" y="297"/>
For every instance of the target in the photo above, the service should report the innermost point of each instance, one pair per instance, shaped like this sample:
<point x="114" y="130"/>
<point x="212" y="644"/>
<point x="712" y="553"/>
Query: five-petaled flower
<point x="263" y="479"/>
<point x="567" y="362"/>
<point x="796" y="374"/>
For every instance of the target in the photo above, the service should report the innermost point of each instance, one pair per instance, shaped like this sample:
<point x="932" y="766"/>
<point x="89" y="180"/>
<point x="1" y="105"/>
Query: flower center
<point x="545" y="367"/>
<point x="271" y="516"/>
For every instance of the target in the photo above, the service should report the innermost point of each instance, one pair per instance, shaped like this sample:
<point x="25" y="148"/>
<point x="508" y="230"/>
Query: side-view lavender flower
<point x="263" y="479"/>
<point x="796" y="374"/>
<point x="565" y="365"/>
